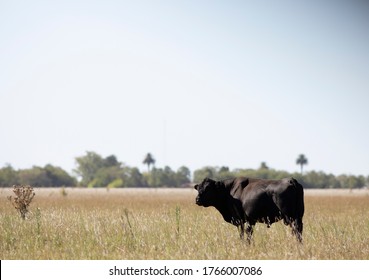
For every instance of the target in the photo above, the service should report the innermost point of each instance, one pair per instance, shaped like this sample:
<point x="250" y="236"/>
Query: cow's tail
<point x="300" y="209"/>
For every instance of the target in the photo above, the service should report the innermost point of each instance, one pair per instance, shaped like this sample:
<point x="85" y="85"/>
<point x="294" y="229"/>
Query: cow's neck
<point x="229" y="208"/>
<point x="225" y="211"/>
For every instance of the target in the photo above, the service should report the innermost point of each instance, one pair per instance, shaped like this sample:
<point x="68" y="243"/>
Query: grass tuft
<point x="178" y="219"/>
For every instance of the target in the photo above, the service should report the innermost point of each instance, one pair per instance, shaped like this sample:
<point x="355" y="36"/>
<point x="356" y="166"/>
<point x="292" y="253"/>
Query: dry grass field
<point x="166" y="224"/>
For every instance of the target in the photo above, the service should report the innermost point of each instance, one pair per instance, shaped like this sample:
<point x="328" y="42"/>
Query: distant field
<point x="166" y="224"/>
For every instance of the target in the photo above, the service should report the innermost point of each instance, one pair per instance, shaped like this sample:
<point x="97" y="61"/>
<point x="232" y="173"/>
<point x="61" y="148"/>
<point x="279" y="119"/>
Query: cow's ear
<point x="196" y="186"/>
<point x="207" y="180"/>
<point x="219" y="184"/>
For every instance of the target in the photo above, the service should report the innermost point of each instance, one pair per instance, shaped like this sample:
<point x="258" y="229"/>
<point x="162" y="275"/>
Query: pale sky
<point x="195" y="83"/>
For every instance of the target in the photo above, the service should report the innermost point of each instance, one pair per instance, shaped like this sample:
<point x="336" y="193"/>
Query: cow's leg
<point x="249" y="231"/>
<point x="286" y="220"/>
<point x="241" y="230"/>
<point x="297" y="227"/>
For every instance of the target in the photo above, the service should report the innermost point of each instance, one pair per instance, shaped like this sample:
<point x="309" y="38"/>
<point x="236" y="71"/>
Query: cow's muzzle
<point x="198" y="201"/>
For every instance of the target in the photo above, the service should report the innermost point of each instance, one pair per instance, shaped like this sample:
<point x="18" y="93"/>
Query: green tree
<point x="35" y="176"/>
<point x="223" y="173"/>
<point x="48" y="176"/>
<point x="111" y="161"/>
<point x="106" y="175"/>
<point x="301" y="160"/>
<point x="97" y="172"/>
<point x="133" y="177"/>
<point x="149" y="159"/>
<point x="350" y="181"/>
<point x="166" y="177"/>
<point x="169" y="177"/>
<point x="59" y="177"/>
<point x="87" y="167"/>
<point x="183" y="176"/>
<point x="8" y="176"/>
<point x="162" y="177"/>
<point x="154" y="178"/>
<point x="205" y="172"/>
<point x="315" y="179"/>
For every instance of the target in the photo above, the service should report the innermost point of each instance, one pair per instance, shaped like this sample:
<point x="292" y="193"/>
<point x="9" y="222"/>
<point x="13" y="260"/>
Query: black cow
<point x="246" y="200"/>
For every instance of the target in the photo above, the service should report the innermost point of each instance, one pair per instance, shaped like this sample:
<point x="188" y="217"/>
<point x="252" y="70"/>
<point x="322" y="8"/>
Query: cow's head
<point x="208" y="193"/>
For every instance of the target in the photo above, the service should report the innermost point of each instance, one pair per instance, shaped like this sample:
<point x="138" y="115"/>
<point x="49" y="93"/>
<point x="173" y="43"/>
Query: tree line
<point x="311" y="179"/>
<point x="94" y="171"/>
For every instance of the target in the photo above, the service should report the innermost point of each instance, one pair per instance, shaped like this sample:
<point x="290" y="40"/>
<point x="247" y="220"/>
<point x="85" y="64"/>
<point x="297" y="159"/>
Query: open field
<point x="166" y="224"/>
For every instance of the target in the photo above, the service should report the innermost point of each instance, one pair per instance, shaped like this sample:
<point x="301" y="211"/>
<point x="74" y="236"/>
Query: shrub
<point x="22" y="200"/>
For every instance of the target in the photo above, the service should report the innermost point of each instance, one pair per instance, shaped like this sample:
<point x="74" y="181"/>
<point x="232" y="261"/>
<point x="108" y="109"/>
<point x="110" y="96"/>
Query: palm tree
<point x="149" y="160"/>
<point x="263" y="165"/>
<point x="301" y="160"/>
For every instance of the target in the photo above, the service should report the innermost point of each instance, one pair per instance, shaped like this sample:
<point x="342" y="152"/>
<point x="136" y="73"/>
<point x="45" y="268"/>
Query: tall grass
<point x="160" y="224"/>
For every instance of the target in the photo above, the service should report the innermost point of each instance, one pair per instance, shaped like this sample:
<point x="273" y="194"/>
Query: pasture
<point x="99" y="224"/>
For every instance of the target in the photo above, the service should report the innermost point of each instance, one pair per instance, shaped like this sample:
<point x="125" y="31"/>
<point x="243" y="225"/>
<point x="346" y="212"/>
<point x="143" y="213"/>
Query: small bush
<point x="22" y="200"/>
<point x="63" y="192"/>
<point x="117" y="183"/>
